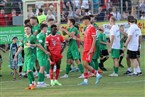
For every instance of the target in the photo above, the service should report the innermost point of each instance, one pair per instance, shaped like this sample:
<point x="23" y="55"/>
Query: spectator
<point x="109" y="15"/>
<point x="38" y="6"/>
<point x="96" y="4"/>
<point x="30" y="12"/>
<point x="3" y="17"/>
<point x="53" y="10"/>
<point x="41" y="17"/>
<point x="17" y="5"/>
<point x="87" y="12"/>
<point x="50" y="15"/>
<point x="85" y="4"/>
<point x="77" y="4"/>
<point x="133" y="12"/>
<point x="68" y="4"/>
<point x="101" y="14"/>
<point x="142" y="6"/>
<point x="2" y="3"/>
<point x="115" y="3"/>
<point x="143" y="16"/>
<point x="78" y="15"/>
<point x="127" y="5"/>
<point x="71" y="14"/>
<point x="11" y="15"/>
<point x="125" y="15"/>
<point x="116" y="14"/>
<point x="64" y="16"/>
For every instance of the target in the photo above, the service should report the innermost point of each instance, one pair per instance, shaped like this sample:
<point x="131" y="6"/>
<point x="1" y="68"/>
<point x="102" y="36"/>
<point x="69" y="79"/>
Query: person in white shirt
<point x="129" y="69"/>
<point x="132" y="44"/>
<point x="85" y="4"/>
<point x="114" y="45"/>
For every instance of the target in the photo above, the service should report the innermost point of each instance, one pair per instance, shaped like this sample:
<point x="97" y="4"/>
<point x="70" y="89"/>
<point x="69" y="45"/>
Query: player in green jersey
<point x="29" y="43"/>
<point x="41" y="55"/>
<point x="73" y="52"/>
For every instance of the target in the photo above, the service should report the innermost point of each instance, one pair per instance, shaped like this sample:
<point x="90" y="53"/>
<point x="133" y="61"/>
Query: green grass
<point x="122" y="86"/>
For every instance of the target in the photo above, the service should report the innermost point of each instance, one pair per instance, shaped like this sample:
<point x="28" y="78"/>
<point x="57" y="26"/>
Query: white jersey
<point x="135" y="32"/>
<point x="114" y="31"/>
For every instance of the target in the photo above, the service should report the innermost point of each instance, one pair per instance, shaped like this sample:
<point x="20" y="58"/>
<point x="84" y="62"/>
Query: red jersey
<point x="88" y="39"/>
<point x="2" y="20"/>
<point x="54" y="44"/>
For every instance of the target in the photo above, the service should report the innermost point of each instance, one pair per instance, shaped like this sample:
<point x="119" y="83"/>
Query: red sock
<point x="93" y="71"/>
<point x="57" y="74"/>
<point x="51" y="74"/>
<point x="86" y="75"/>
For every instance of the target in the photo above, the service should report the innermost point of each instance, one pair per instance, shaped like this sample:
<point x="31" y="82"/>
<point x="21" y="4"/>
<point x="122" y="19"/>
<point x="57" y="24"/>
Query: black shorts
<point x="132" y="54"/>
<point x="104" y="53"/>
<point x="121" y="52"/>
<point x="23" y="53"/>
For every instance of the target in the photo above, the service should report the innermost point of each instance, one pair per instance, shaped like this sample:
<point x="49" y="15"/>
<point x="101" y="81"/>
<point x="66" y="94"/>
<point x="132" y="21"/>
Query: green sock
<point x="68" y="66"/>
<point x="92" y="64"/>
<point x="80" y="66"/>
<point x="29" y="78"/>
<point x="40" y="77"/>
<point x="116" y="70"/>
<point x="96" y="64"/>
<point x="47" y="67"/>
<point x="32" y="76"/>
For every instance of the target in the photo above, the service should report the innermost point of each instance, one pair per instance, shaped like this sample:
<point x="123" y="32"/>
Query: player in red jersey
<point x="53" y="43"/>
<point x="89" y="49"/>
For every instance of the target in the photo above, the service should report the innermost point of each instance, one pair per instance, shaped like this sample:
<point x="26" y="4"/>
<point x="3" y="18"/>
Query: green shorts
<point x="42" y="59"/>
<point x="97" y="52"/>
<point x="29" y="63"/>
<point x="73" y="54"/>
<point x="115" y="53"/>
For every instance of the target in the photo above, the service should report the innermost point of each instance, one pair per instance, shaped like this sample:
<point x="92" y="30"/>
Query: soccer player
<point x="35" y="31"/>
<point x="122" y="39"/>
<point x="73" y="52"/>
<point x="29" y="43"/>
<point x="114" y="45"/>
<point x="104" y="55"/>
<point x="41" y="55"/>
<point x="50" y="23"/>
<point x="53" y="42"/>
<point x="132" y="44"/>
<point x="1" y="61"/>
<point x="89" y="49"/>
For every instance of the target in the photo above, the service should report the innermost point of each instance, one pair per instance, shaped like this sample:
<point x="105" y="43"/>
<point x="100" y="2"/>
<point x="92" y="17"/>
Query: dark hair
<point x="42" y="26"/>
<point x="131" y="19"/>
<point x="135" y="20"/>
<point x="51" y="19"/>
<point x="86" y="18"/>
<point x="28" y="26"/>
<point x="40" y="10"/>
<point x="14" y="38"/>
<point x="35" y="18"/>
<point x="53" y="26"/>
<point x="26" y="21"/>
<point x="77" y="25"/>
<point x="72" y="21"/>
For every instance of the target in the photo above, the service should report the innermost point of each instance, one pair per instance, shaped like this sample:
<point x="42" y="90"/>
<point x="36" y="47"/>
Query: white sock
<point x="138" y="69"/>
<point x="129" y="69"/>
<point x="30" y="84"/>
<point x="86" y="80"/>
<point x="135" y="71"/>
<point x="97" y="74"/>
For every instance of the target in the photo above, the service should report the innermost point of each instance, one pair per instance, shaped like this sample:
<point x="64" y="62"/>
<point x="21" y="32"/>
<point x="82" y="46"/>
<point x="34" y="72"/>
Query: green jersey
<point x="41" y="40"/>
<point x="36" y="28"/>
<point x="28" y="50"/>
<point x="121" y="41"/>
<point x="102" y="37"/>
<point x="76" y="32"/>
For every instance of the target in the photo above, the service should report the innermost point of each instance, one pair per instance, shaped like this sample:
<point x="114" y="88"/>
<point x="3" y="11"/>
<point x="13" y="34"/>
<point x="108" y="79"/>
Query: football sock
<point x="80" y="66"/>
<point x="51" y="74"/>
<point x="120" y="59"/>
<point x="57" y="74"/>
<point x="40" y="77"/>
<point x="68" y="66"/>
<point x="116" y="70"/>
<point x="29" y="78"/>
<point x="96" y="64"/>
<point x="47" y="67"/>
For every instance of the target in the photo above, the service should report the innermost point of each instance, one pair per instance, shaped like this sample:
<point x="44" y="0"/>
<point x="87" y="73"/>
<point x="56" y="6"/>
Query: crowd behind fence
<point x="11" y="10"/>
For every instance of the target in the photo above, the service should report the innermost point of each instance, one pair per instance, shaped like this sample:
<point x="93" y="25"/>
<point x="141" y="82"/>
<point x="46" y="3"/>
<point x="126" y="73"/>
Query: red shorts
<point x="55" y="58"/>
<point x="87" y="57"/>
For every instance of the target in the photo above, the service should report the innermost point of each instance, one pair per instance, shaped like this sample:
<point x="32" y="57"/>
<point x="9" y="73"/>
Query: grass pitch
<point x="122" y="86"/>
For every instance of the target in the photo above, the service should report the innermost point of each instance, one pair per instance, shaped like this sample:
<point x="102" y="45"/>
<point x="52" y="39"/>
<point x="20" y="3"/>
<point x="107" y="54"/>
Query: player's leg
<point x="120" y="58"/>
<point x="58" y="63"/>
<point x="115" y="55"/>
<point x="129" y="69"/>
<point x="0" y="63"/>
<point x="47" y="69"/>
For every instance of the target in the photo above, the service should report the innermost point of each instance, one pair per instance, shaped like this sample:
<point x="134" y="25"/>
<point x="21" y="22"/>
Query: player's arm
<point x="112" y="40"/>
<point x="19" y="50"/>
<point x="93" y="44"/>
<point x="63" y="42"/>
<point x="3" y="49"/>
<point x="45" y="51"/>
<point x="128" y="40"/>
<point x="72" y="34"/>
